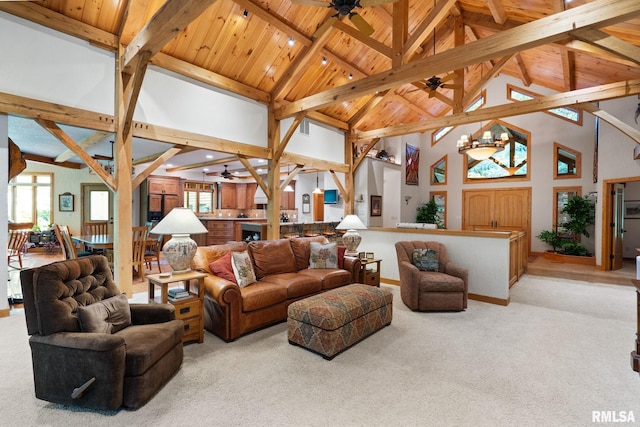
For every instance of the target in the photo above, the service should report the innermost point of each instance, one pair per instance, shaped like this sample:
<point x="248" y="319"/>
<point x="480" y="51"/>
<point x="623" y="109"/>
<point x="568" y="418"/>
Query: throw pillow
<point x="243" y="268"/>
<point x="107" y="316"/>
<point x="425" y="259"/>
<point x="323" y="255"/>
<point x="341" y="251"/>
<point x="222" y="268"/>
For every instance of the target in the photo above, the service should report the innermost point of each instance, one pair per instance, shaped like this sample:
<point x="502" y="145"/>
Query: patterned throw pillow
<point x="243" y="268"/>
<point x="425" y="259"/>
<point x="323" y="255"/>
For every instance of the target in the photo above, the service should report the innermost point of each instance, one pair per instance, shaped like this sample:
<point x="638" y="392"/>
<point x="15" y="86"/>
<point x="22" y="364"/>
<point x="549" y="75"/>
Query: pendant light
<point x="288" y="188"/>
<point x="317" y="190"/>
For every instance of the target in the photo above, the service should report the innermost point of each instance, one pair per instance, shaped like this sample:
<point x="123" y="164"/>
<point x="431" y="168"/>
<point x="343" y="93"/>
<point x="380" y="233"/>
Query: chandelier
<point x="483" y="148"/>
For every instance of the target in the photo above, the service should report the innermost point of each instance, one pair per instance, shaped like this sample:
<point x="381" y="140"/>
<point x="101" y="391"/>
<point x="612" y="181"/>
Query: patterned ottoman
<point x="333" y="321"/>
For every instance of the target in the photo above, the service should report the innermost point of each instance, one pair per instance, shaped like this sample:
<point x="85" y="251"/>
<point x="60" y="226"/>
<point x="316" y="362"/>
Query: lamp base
<point x="351" y="240"/>
<point x="179" y="251"/>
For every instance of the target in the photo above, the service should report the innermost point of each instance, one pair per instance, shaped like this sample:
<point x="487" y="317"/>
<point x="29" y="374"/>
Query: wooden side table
<point x="369" y="276"/>
<point x="635" y="355"/>
<point x="190" y="309"/>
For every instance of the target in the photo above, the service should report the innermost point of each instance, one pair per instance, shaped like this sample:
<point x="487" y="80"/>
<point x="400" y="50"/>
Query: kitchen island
<point x="256" y="231"/>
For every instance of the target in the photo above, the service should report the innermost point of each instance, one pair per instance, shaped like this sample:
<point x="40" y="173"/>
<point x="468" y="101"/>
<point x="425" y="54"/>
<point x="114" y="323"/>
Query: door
<point x="97" y="204"/>
<point x="618" y="227"/>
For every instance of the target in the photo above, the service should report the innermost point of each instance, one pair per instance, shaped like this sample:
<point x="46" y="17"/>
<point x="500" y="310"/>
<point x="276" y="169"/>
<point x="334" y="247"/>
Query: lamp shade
<point x="180" y="249"/>
<point x="351" y="222"/>
<point x="351" y="238"/>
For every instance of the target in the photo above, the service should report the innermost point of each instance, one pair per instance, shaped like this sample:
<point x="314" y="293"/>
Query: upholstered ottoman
<point x="332" y="321"/>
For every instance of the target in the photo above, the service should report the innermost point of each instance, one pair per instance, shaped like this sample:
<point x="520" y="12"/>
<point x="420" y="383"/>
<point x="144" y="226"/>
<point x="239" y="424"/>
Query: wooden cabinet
<point x="250" y="195"/>
<point x="370" y="272"/>
<point x="288" y="199"/>
<point x="220" y="232"/>
<point x="241" y="196"/>
<point x="228" y="198"/>
<point x="163" y="185"/>
<point x="497" y="210"/>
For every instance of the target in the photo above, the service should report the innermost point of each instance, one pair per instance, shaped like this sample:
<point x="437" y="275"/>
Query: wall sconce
<point x="406" y="199"/>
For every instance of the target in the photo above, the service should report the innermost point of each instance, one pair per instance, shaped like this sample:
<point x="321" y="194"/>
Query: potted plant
<point x="428" y="213"/>
<point x="581" y="215"/>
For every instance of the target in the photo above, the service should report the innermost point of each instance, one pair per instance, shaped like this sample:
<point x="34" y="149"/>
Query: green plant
<point x="581" y="215"/>
<point x="428" y="213"/>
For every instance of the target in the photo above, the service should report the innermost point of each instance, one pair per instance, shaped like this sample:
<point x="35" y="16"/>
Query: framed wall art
<point x="65" y="201"/>
<point x="632" y="209"/>
<point x="412" y="165"/>
<point x="376" y="205"/>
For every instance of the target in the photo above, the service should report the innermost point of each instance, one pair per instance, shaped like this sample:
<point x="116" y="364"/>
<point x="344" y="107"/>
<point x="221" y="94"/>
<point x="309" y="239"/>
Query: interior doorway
<point x="97" y="204"/>
<point x="620" y="222"/>
<point x="318" y="206"/>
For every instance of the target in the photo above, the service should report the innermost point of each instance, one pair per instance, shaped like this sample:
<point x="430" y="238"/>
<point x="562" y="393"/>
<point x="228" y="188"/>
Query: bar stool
<point x="311" y="234"/>
<point x="290" y="235"/>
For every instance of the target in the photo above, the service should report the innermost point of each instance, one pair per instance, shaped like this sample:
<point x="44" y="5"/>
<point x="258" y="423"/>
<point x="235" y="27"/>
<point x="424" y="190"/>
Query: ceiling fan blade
<point x="369" y="3"/>
<point x="448" y="86"/>
<point x="324" y="27"/>
<point x="317" y="3"/>
<point x="361" y="24"/>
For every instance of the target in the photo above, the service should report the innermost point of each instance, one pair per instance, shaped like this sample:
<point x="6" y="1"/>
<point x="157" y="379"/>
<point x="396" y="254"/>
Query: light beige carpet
<point x="559" y="351"/>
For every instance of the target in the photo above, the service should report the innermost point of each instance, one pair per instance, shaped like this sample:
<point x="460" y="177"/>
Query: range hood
<point x="260" y="198"/>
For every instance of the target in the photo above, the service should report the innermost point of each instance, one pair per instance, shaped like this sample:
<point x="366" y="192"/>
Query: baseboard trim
<point x="490" y="300"/>
<point x="389" y="281"/>
<point x="5" y="312"/>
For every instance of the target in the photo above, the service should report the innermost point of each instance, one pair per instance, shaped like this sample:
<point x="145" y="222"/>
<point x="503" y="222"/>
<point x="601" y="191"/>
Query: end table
<point x="190" y="309"/>
<point x="369" y="276"/>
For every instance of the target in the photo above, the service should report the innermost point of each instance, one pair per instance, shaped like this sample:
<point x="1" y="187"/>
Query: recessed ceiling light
<point x="206" y="169"/>
<point x="169" y="165"/>
<point x="324" y="60"/>
<point x="350" y="76"/>
<point x="209" y="156"/>
<point x="291" y="41"/>
<point x="245" y="13"/>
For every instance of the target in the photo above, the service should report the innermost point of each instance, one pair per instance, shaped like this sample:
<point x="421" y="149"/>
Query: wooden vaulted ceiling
<point x="371" y="83"/>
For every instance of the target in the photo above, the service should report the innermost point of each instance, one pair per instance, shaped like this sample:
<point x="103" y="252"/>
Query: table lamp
<point x="180" y="249"/>
<point x="351" y="238"/>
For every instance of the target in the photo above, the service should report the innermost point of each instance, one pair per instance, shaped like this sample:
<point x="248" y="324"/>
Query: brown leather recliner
<point x="101" y="370"/>
<point x="442" y="290"/>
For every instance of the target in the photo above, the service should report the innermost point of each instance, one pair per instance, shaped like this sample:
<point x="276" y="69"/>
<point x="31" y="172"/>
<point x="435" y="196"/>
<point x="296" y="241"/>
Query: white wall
<point x="44" y="64"/>
<point x="4" y="217"/>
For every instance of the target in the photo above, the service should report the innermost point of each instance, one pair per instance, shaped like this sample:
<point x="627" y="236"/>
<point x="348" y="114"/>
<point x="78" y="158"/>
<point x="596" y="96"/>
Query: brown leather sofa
<point x="283" y="273"/>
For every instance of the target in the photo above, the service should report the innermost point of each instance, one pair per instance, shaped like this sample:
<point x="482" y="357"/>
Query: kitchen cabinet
<point x="241" y="196"/>
<point x="251" y="194"/>
<point x="220" y="231"/>
<point x="228" y="198"/>
<point x="288" y="199"/>
<point x="158" y="196"/>
<point x="163" y="185"/>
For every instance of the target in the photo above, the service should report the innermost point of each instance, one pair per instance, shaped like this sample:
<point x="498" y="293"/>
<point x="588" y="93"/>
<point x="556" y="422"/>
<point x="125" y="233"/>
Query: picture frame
<point x="369" y="255"/>
<point x="66" y="202"/>
<point x="632" y="209"/>
<point x="376" y="206"/>
<point x="362" y="255"/>
<point x="306" y="203"/>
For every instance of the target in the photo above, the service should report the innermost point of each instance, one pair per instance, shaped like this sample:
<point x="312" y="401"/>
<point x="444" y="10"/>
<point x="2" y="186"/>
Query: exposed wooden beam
<point x="85" y="143"/>
<point x="599" y="13"/>
<point x="153" y="157"/>
<point x="363" y="155"/>
<point x="374" y="44"/>
<point x="399" y="30"/>
<point x="497" y="11"/>
<point x="608" y="43"/>
<point x="410" y="105"/>
<point x="51" y="161"/>
<point x="194" y="140"/>
<point x="141" y="176"/>
<point x="43" y="16"/>
<point x="32" y="108"/>
<point x="345" y="194"/>
<point x="594" y="50"/>
<point x="566" y="99"/>
<point x="471" y="34"/>
<point x="630" y="131"/>
<point x="221" y="161"/>
<point x="486" y="76"/>
<point x="171" y="19"/>
<point x="311" y="162"/>
<point x="367" y="108"/>
<point x="63" y="137"/>
<point x="287" y="137"/>
<point x="568" y="69"/>
<point x="425" y="29"/>
<point x="522" y="67"/>
<point x="458" y="80"/>
<point x="290" y="176"/>
<point x="254" y="173"/>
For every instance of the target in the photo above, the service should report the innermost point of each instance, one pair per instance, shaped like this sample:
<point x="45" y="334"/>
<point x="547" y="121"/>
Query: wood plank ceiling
<point x="243" y="46"/>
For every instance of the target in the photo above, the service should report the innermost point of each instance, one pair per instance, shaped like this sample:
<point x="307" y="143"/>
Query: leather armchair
<point x="95" y="369"/>
<point x="442" y="290"/>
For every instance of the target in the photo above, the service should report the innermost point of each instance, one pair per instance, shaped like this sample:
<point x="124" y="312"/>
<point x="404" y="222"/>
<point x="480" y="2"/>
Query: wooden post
<point x="273" y="177"/>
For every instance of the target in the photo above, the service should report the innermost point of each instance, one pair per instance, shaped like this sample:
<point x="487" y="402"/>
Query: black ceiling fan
<point x="344" y="8"/>
<point x="226" y="174"/>
<point x="434" y="83"/>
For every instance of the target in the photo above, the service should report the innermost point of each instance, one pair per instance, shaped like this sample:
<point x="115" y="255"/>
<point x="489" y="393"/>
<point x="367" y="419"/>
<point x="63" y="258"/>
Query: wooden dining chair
<point x="139" y="245"/>
<point x="15" y="245"/>
<point x="63" y="246"/>
<point x="152" y="252"/>
<point x="96" y="227"/>
<point x="69" y="246"/>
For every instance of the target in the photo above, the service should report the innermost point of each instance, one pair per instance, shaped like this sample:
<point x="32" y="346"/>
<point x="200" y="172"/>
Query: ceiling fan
<point x="226" y="174"/>
<point x="434" y="83"/>
<point x="344" y="8"/>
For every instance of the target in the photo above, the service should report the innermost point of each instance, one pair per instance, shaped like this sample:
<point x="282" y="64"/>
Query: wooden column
<point x="273" y="177"/>
<point x="635" y="355"/>
<point x="348" y="176"/>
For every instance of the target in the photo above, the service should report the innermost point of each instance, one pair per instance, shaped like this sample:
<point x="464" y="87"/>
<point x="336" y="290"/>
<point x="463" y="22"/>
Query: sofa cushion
<point x="222" y="267"/>
<point x="323" y="255"/>
<point x="272" y="257"/>
<point x="425" y="259"/>
<point x="205" y="255"/>
<point x="263" y="294"/>
<point x="297" y="285"/>
<point x="433" y="281"/>
<point x="243" y="268"/>
<point x="302" y="250"/>
<point x="330" y="277"/>
<point x="107" y="316"/>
